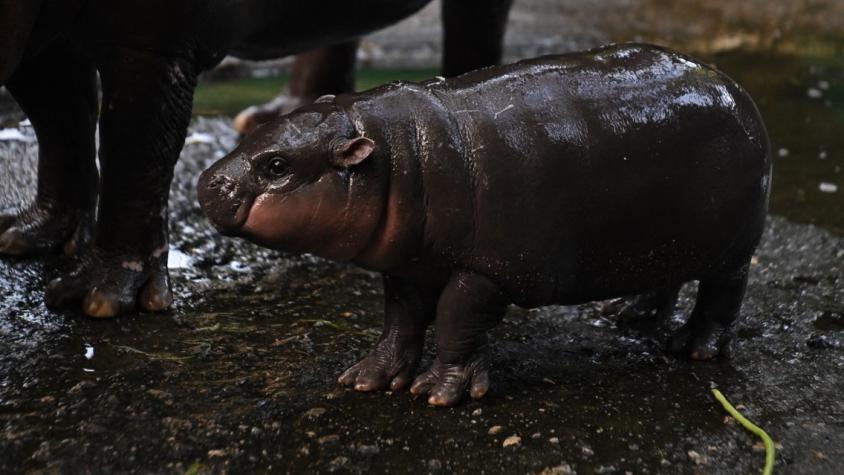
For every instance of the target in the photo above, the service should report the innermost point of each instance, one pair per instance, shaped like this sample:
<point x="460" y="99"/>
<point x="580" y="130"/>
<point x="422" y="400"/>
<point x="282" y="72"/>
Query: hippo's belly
<point x="307" y="25"/>
<point x="207" y="30"/>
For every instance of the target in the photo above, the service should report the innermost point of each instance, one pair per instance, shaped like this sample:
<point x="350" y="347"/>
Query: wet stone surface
<point x="241" y="375"/>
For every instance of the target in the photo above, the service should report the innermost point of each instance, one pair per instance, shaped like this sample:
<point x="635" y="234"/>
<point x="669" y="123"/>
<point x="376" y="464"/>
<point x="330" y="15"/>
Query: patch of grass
<point x="230" y="97"/>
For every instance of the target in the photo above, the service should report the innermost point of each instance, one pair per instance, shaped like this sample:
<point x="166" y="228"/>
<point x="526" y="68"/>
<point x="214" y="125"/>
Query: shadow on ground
<point x="240" y="376"/>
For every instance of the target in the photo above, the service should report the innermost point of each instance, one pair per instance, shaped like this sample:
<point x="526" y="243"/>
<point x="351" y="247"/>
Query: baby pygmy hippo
<point x="626" y="170"/>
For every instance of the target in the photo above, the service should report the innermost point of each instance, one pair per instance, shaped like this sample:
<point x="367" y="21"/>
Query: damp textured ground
<point x="240" y="376"/>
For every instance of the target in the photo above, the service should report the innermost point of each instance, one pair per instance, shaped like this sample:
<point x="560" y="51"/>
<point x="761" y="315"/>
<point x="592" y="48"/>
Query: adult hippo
<point x="148" y="54"/>
<point x="626" y="170"/>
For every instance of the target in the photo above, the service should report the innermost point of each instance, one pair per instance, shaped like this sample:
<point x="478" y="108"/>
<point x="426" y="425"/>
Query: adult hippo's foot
<point x="446" y="383"/>
<point x="248" y="119"/>
<point x="106" y="285"/>
<point x="391" y="364"/>
<point x="315" y="73"/>
<point x="44" y="228"/>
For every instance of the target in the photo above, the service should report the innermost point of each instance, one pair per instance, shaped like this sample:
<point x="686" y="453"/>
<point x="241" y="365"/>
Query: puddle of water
<point x="802" y="102"/>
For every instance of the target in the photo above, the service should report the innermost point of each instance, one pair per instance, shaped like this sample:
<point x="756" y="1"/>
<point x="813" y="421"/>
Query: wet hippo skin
<point x="623" y="171"/>
<point x="148" y="55"/>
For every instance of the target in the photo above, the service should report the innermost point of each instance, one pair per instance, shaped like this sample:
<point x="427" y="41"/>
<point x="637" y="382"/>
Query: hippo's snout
<point x="226" y="195"/>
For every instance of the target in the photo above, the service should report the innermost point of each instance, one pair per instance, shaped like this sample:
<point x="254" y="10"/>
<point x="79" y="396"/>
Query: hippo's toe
<point x="106" y="286"/>
<point x="699" y="341"/>
<point x="43" y="229"/>
<point x="446" y="383"/>
<point x="390" y="364"/>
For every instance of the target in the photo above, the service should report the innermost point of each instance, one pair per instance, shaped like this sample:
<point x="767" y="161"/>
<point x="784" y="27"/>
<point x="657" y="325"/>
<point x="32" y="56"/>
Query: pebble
<point x="554" y="440"/>
<point x="328" y="439"/>
<point x="369" y="449"/>
<point x="435" y="465"/>
<point x="495" y="430"/>
<point x="562" y="469"/>
<point x="315" y="412"/>
<point x="697" y="458"/>
<point x="477" y="412"/>
<point x="513" y="440"/>
<point x="814" y="93"/>
<point x="827" y="187"/>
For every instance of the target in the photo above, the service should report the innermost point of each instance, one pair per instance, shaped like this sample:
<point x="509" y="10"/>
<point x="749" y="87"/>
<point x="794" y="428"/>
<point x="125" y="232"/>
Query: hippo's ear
<point x="350" y="152"/>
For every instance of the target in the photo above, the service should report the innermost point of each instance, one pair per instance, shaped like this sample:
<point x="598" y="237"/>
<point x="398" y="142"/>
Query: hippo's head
<point x="305" y="182"/>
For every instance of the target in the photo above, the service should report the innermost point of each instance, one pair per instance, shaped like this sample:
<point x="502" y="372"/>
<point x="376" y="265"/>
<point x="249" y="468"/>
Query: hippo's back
<point x="592" y="175"/>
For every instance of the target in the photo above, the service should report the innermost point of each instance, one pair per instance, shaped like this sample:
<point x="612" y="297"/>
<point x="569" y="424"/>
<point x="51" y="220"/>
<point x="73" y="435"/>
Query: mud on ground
<point x="240" y="376"/>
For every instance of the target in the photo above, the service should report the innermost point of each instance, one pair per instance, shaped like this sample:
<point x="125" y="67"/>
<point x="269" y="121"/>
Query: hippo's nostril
<point x="217" y="181"/>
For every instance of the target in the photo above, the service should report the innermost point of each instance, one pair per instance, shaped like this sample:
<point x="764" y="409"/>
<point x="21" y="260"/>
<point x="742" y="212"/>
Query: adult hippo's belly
<point x="148" y="55"/>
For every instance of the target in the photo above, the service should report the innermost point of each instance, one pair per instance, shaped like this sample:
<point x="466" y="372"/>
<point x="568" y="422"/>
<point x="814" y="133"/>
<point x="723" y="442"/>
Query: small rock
<point x="562" y="469"/>
<point x="665" y="462"/>
<point x="314" y="413"/>
<point x="826" y="187"/>
<point x="697" y="458"/>
<point x="328" y="439"/>
<point x="814" y="93"/>
<point x="81" y="386"/>
<point x="435" y="465"/>
<point x="783" y="152"/>
<point x="513" y="440"/>
<point x="304" y="450"/>
<point x="339" y="461"/>
<point x="495" y="430"/>
<point x="554" y="440"/>
<point x="369" y="449"/>
<point x="216" y="453"/>
<point x="535" y="436"/>
<point x="587" y="451"/>
<point x="477" y="412"/>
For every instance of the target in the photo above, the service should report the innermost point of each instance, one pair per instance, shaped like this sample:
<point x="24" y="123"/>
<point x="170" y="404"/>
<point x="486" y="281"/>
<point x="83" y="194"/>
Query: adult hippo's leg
<point x="718" y="305"/>
<point x="64" y="119"/>
<point x="145" y="114"/>
<point x="329" y="70"/>
<point x="473" y="34"/>
<point x="395" y="357"/>
<point x="469" y="306"/>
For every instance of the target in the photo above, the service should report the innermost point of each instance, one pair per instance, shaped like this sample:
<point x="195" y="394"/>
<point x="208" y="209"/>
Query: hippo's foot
<point x="658" y="304"/>
<point x="107" y="285"/>
<point x="446" y="383"/>
<point x="700" y="340"/>
<point x="253" y="116"/>
<point x="390" y="364"/>
<point x="43" y="229"/>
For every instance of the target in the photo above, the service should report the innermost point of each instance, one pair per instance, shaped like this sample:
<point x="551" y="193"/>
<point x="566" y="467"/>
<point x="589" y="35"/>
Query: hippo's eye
<point x="277" y="167"/>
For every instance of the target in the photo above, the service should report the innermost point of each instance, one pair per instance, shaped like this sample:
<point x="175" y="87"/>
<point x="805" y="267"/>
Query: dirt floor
<point x="240" y="376"/>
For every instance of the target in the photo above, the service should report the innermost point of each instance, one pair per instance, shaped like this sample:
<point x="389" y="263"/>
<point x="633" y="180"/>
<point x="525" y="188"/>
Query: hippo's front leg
<point x="146" y="109"/>
<point x="409" y="309"/>
<point x="470" y="305"/>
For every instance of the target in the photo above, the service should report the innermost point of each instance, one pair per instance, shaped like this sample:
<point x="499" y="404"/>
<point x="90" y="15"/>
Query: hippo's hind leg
<point x="473" y="34"/>
<point x="658" y="304"/>
<point x="469" y="306"/>
<point x="321" y="71"/>
<point x="58" y="92"/>
<point x="409" y="309"/>
<point x="719" y="299"/>
<point x="146" y="109"/>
